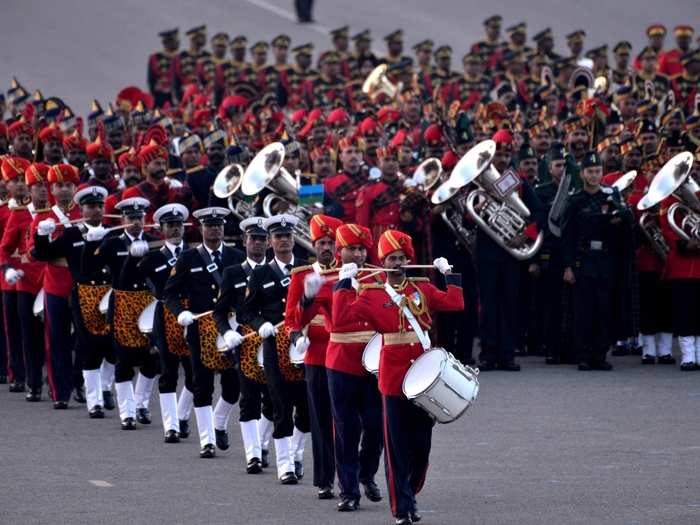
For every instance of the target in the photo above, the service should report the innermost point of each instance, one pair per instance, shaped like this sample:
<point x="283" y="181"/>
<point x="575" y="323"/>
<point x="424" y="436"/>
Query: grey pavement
<point x="548" y="445"/>
<point x="82" y="50"/>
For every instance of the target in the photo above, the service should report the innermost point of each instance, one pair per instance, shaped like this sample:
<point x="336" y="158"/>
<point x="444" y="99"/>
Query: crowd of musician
<point x="562" y="189"/>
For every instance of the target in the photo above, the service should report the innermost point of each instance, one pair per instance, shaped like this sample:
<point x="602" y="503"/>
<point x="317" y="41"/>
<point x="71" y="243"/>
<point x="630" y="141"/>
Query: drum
<point x="441" y="385"/>
<point x="104" y="302"/>
<point x="38" y="307"/>
<point x="371" y="353"/>
<point x="147" y="316"/>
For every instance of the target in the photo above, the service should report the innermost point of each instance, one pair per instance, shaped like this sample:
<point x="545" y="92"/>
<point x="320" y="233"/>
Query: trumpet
<point x="501" y="214"/>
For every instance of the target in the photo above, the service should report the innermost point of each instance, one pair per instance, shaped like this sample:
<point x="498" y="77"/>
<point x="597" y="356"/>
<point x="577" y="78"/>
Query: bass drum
<point x="371" y="354"/>
<point x="441" y="385"/>
<point x="147" y="317"/>
<point x="251" y="356"/>
<point x="38" y="306"/>
<point x="104" y="302"/>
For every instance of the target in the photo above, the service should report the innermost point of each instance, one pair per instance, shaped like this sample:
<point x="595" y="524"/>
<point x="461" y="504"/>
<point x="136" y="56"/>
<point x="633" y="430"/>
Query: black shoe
<point x="687" y="367"/>
<point x="143" y="416"/>
<point x="16" y="387"/>
<point x="372" y="491"/>
<point x="128" y="423"/>
<point x="299" y="470"/>
<point x="636" y="350"/>
<point x="485" y="366"/>
<point x="184" y="429"/>
<point x="96" y="412"/>
<point x="415" y="517"/>
<point x="551" y="360"/>
<point x="221" y="439"/>
<point x="403" y="520"/>
<point x="171" y="437"/>
<point x="79" y="395"/>
<point x="648" y="360"/>
<point x="510" y="366"/>
<point x="620" y="350"/>
<point x="207" y="452"/>
<point x="348" y="505"/>
<point x="289" y="478"/>
<point x="254" y="466"/>
<point x="667" y="360"/>
<point x="3" y="380"/>
<point x="326" y="493"/>
<point x="60" y="405"/>
<point x="108" y="399"/>
<point x="584" y="367"/>
<point x="265" y="458"/>
<point x="601" y="365"/>
<point x="34" y="395"/>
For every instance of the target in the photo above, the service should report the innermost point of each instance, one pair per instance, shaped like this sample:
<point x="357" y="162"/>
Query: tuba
<point x="624" y="183"/>
<point x="674" y="179"/>
<point x="501" y="214"/>
<point x="266" y="171"/>
<point x="378" y="83"/>
<point x="227" y="185"/>
<point x="427" y="174"/>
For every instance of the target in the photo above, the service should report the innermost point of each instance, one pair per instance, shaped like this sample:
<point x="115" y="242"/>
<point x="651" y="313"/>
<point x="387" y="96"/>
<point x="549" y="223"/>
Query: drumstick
<point x="370" y="274"/>
<point x="105" y="216"/>
<point x="203" y="314"/>
<point x="251" y="334"/>
<point x="121" y="226"/>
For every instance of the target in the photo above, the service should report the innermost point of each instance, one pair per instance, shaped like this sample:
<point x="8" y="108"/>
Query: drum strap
<point x="65" y="221"/>
<point x="396" y="297"/>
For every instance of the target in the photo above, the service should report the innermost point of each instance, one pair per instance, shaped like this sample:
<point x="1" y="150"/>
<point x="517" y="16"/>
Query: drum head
<point x="104" y="302"/>
<point x="372" y="353"/>
<point x="220" y="343"/>
<point x="147" y="316"/>
<point x="423" y="372"/>
<point x="260" y="357"/>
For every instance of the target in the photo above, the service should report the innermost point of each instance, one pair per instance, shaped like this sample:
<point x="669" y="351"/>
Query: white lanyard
<point x="31" y="209"/>
<point x="423" y="336"/>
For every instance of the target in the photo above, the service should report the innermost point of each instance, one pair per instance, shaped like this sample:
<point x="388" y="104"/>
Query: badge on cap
<point x="260" y="223"/>
<point x="283" y="222"/>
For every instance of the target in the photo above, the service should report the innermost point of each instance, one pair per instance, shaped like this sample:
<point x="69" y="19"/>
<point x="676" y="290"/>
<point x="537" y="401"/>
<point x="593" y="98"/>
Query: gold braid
<point x="418" y="310"/>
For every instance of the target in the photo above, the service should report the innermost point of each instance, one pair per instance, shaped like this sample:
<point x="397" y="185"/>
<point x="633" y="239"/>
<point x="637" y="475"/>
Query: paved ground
<point x="549" y="445"/>
<point x="83" y="50"/>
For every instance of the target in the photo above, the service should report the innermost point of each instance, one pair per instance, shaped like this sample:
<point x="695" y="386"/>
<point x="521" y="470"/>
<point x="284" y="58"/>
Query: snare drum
<point x="38" y="307"/>
<point x="371" y="353"/>
<point x="104" y="302"/>
<point x="441" y="385"/>
<point x="147" y="316"/>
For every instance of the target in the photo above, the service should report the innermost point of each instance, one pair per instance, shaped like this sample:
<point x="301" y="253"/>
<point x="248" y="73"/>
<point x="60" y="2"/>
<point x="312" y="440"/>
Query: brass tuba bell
<point x="378" y="83"/>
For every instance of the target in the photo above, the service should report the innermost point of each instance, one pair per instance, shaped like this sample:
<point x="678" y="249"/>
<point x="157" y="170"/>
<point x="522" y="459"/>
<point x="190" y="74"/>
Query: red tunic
<point x="343" y="188"/>
<point x="58" y="280"/>
<point x="14" y="250"/>
<point x="375" y="307"/>
<point x="378" y="210"/>
<point x="680" y="264"/>
<point x="4" y="216"/>
<point x="670" y="63"/>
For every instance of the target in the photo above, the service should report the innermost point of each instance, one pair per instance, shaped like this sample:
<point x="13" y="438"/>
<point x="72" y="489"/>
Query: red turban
<point x="98" y="149"/>
<point x="393" y="241"/>
<point x="63" y="173"/>
<point x="151" y="152"/>
<point x="19" y="127"/>
<point x="36" y="173"/>
<point x="351" y="234"/>
<point x="13" y="167"/>
<point x="51" y="132"/>
<point x="433" y="135"/>
<point x="129" y="158"/>
<point x="323" y="226"/>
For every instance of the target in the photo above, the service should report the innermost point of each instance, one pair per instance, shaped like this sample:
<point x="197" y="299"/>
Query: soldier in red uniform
<point x="343" y="187"/>
<point x="328" y="88"/>
<point x="309" y="330"/>
<point x="687" y="84"/>
<point x="400" y="310"/>
<point x="20" y="269"/>
<point x="186" y="62"/>
<point x="656" y="33"/>
<point x="670" y="61"/>
<point x="298" y="75"/>
<point x="57" y="284"/>
<point x="21" y="135"/>
<point x="161" y="68"/>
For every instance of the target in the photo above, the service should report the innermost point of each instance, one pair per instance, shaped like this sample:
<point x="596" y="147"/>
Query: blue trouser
<point x="32" y="335"/>
<point x="59" y="346"/>
<point x="357" y="414"/>
<point x="407" y="437"/>
<point x="321" y="421"/>
<point x="13" y="338"/>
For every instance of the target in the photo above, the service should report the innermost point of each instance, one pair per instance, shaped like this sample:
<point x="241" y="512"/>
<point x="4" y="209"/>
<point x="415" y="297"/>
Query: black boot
<point x="79" y="395"/>
<point x="184" y="429"/>
<point x="221" y="439"/>
<point x="108" y="399"/>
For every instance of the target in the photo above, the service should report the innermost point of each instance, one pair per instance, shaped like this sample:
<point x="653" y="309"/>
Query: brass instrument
<point x="581" y="76"/>
<point x="227" y="185"/>
<point x="673" y="179"/>
<point x="649" y="224"/>
<point x="266" y="171"/>
<point x="625" y="183"/>
<point x="378" y="83"/>
<point x="427" y="174"/>
<point x="500" y="212"/>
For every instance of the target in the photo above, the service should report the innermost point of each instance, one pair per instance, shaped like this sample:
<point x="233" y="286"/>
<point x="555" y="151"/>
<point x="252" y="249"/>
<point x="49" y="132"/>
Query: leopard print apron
<point x="208" y="351"/>
<point x="89" y="297"/>
<point x="127" y="309"/>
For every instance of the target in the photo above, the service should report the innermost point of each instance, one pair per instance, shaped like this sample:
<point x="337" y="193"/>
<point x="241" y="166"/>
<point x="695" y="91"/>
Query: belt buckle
<point x="596" y="246"/>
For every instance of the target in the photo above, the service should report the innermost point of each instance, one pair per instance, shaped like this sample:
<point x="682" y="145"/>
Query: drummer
<point x="166" y="334"/>
<point x="404" y="326"/>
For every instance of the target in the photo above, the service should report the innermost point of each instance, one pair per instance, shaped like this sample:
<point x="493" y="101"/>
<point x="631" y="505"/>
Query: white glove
<point x="46" y="227"/>
<point x="185" y="318"/>
<point x="442" y="265"/>
<point x="267" y="330"/>
<point x="12" y="276"/>
<point x="302" y="345"/>
<point x="233" y="339"/>
<point x="419" y="179"/>
<point x="409" y="183"/>
<point x="96" y="234"/>
<point x="312" y="284"/>
<point x="347" y="271"/>
<point x="138" y="248"/>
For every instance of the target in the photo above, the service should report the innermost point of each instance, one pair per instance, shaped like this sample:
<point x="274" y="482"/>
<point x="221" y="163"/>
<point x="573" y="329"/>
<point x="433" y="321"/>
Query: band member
<point x="197" y="278"/>
<point x="93" y="343"/>
<point x="129" y="297"/>
<point x="263" y="308"/>
<point x="306" y="284"/>
<point x="20" y="269"/>
<point x="13" y="168"/>
<point x="57" y="284"/>
<point x="168" y="337"/>
<point x="404" y="326"/>
<point x="595" y="218"/>
<point x="255" y="406"/>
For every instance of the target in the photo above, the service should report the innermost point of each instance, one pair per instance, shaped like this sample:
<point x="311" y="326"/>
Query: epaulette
<point x="298" y="269"/>
<point x="419" y="279"/>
